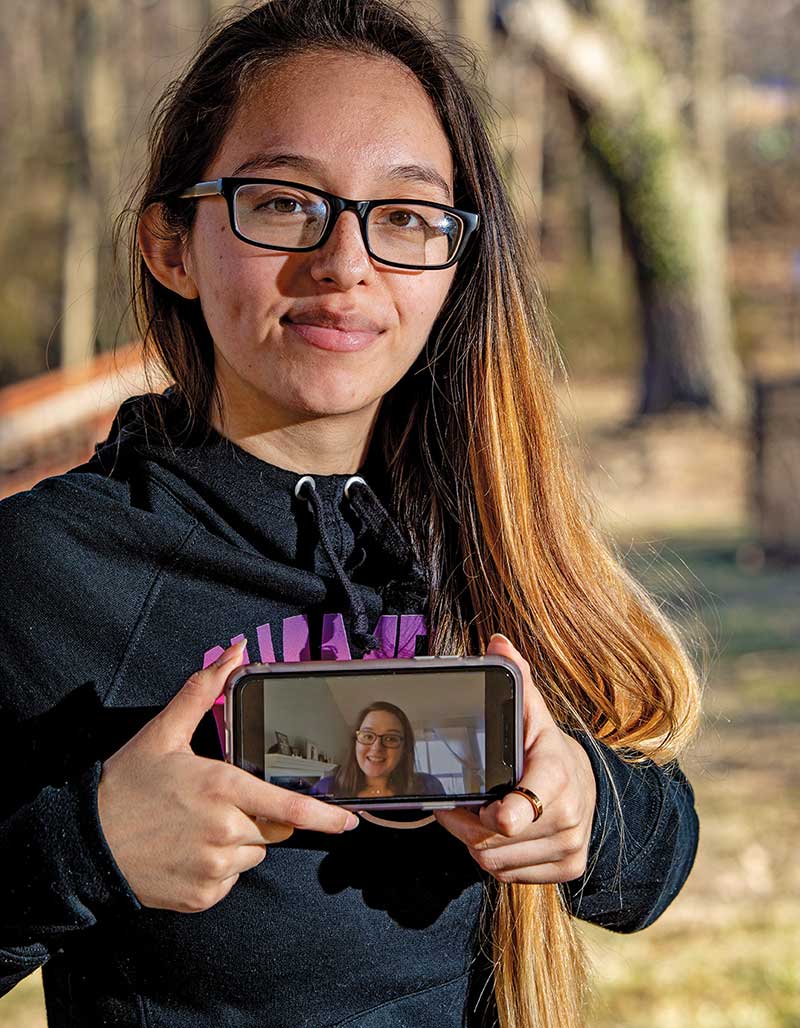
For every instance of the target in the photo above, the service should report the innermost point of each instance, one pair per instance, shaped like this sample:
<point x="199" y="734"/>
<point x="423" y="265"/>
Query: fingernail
<point x="499" y="635"/>
<point x="351" y="823"/>
<point x="234" y="650"/>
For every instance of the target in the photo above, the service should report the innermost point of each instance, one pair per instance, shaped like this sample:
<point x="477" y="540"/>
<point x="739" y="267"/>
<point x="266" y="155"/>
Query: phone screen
<point x="371" y="736"/>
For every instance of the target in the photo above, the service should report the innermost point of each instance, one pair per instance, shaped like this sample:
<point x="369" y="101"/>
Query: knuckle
<point x="297" y="810"/>
<point x="572" y="842"/>
<point x="486" y="859"/>
<point x="215" y="781"/>
<point x="571" y="813"/>
<point x="194" y="683"/>
<point x="503" y="876"/>
<point x="226" y="887"/>
<point x="214" y="865"/>
<point x="214" y="893"/>
<point x="199" y="899"/>
<point x="508" y="822"/>
<point x="571" y="868"/>
<point x="258" y="854"/>
<point x="561" y="779"/>
<point x="224" y="832"/>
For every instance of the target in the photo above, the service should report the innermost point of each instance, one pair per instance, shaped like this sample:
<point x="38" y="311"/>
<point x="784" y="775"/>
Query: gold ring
<point x="535" y="802"/>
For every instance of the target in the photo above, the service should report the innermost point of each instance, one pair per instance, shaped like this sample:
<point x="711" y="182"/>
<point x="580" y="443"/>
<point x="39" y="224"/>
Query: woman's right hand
<point x="183" y="828"/>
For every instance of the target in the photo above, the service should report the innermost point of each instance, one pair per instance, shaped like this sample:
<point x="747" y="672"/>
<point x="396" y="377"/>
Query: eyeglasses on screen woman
<point x="391" y="740"/>
<point x="289" y="216"/>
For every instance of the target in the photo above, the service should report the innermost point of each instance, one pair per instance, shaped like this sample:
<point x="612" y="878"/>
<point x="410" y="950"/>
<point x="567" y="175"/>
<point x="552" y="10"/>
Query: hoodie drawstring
<point x="384" y="534"/>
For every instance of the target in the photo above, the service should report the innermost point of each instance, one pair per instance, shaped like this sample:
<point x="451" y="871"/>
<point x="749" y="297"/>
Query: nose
<point x="376" y="745"/>
<point x="344" y="258"/>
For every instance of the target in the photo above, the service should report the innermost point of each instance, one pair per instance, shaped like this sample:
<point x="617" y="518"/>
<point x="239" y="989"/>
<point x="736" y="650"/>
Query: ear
<point x="165" y="253"/>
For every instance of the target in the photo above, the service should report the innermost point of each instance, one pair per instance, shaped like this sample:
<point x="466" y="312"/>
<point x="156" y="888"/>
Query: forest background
<point x="653" y="148"/>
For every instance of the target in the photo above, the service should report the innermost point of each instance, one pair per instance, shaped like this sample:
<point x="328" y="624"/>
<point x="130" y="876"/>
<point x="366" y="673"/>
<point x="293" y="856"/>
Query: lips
<point x="326" y="317"/>
<point x="330" y="330"/>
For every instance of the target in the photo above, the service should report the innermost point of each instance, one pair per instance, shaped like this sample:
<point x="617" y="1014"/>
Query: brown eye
<point x="285" y="204"/>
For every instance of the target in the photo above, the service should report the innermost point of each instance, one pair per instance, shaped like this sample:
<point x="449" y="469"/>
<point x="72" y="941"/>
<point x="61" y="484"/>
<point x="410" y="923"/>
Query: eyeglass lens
<point x="391" y="740"/>
<point x="287" y="217"/>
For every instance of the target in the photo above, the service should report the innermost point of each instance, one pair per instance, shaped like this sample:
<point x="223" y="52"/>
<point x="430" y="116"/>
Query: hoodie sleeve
<point x="637" y="863"/>
<point x="74" y="576"/>
<point x="59" y="874"/>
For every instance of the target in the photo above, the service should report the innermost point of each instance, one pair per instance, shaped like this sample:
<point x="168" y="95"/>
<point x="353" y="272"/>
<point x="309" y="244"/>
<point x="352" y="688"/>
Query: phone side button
<point x="440" y="806"/>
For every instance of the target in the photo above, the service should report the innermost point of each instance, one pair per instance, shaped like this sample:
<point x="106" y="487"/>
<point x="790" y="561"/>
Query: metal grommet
<point x="299" y="482"/>
<point x="349" y="482"/>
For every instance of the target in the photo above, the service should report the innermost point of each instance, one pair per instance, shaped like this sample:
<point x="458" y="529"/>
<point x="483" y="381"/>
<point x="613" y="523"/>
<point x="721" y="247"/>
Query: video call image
<point x="376" y="736"/>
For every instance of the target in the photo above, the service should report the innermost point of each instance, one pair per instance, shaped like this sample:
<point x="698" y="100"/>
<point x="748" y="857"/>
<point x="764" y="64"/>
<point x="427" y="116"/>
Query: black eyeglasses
<point x="289" y="216"/>
<point x="389" y="739"/>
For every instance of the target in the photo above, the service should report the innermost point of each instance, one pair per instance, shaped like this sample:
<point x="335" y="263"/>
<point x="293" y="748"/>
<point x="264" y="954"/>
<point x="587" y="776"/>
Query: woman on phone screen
<point x="381" y="760"/>
<point x="358" y="456"/>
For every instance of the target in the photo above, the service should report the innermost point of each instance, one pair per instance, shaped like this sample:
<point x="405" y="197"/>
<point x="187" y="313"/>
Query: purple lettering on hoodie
<point x="296" y="638"/>
<point x="334" y="644"/>
<point x="411" y="625"/>
<point x="386" y="632"/>
<point x="265" y="647"/>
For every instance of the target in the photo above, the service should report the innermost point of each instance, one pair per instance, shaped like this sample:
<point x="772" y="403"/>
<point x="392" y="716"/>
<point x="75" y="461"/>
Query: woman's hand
<point x="182" y="828"/>
<point x="502" y="837"/>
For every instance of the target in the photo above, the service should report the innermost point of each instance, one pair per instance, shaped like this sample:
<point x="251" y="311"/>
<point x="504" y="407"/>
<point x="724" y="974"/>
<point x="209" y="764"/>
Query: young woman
<point x="360" y="456"/>
<point x="381" y="762"/>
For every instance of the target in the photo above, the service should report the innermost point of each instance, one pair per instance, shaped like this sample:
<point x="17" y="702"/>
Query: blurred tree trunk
<point x="210" y="9"/>
<point x="95" y="103"/>
<point x="709" y="122"/>
<point x="520" y="86"/>
<point x="603" y="228"/>
<point x="470" y="18"/>
<point x="671" y="188"/>
<point x="79" y="282"/>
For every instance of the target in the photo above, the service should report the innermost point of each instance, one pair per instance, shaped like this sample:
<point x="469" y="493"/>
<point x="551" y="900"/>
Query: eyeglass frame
<point x="381" y="736"/>
<point x="227" y="186"/>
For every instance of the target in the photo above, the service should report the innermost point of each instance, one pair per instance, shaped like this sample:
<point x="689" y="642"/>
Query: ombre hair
<point x="479" y="474"/>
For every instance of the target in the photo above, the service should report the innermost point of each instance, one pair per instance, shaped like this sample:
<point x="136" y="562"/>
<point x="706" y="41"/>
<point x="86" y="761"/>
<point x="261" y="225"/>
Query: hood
<point x="337" y="525"/>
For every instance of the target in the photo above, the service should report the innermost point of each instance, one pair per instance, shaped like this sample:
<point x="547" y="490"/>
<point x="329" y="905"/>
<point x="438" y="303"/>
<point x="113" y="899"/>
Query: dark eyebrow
<point x="266" y="159"/>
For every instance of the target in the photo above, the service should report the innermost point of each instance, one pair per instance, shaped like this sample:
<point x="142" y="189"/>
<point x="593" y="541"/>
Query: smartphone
<point x="407" y="733"/>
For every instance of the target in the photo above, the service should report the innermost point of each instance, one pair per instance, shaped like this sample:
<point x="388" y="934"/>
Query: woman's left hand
<point x="502" y="837"/>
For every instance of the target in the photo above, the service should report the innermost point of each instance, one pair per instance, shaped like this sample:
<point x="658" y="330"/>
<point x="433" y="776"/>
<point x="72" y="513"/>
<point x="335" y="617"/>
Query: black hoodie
<point x="123" y="576"/>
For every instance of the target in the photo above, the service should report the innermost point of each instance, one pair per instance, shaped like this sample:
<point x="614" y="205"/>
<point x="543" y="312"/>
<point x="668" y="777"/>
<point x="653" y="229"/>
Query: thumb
<point x="536" y="715"/>
<point x="176" y="723"/>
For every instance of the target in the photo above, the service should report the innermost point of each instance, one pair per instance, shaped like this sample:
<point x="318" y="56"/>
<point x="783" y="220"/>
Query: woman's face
<point x="359" y="127"/>
<point x="375" y="759"/>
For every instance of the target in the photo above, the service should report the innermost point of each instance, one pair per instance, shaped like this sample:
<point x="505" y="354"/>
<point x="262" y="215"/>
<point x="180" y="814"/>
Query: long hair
<point x="349" y="779"/>
<point x="478" y="471"/>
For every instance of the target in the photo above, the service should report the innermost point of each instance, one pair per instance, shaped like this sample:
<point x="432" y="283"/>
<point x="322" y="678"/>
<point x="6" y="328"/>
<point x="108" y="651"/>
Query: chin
<point x="330" y="397"/>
